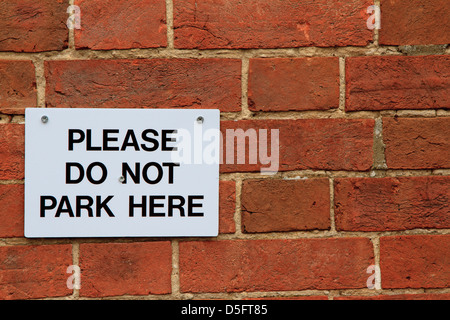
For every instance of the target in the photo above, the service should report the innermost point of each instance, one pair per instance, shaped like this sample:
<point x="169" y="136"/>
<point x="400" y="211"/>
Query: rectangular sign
<point x="121" y="172"/>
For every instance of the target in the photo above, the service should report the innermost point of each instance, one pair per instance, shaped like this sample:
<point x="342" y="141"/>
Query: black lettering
<point x="191" y="205"/>
<point x="89" y="146"/>
<point x="153" y="205"/>
<point x="89" y="173"/>
<point x="72" y="139"/>
<point x="126" y="143"/>
<point x="153" y="141"/>
<point x="67" y="209"/>
<point x="86" y="206"/>
<point x="132" y="205"/>
<point x="166" y="139"/>
<point x="145" y="173"/>
<point x="136" y="176"/>
<point x="171" y="165"/>
<point x="107" y="139"/>
<point x="44" y="207"/>
<point x="103" y="205"/>
<point x="178" y="206"/>
<point x="69" y="166"/>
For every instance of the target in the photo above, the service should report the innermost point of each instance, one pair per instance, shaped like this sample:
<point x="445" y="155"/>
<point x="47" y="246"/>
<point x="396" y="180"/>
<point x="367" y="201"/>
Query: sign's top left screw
<point x="44" y="119"/>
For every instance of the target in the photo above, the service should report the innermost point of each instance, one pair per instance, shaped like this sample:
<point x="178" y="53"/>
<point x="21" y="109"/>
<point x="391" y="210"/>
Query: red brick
<point x="145" y="83"/>
<point x="17" y="86"/>
<point x="12" y="151"/>
<point x="31" y="272"/>
<point x="414" y="22"/>
<point x="416" y="261"/>
<point x="211" y="24"/>
<point x="121" y="24"/>
<point x="11" y="210"/>
<point x="328" y="144"/>
<point x="417" y="143"/>
<point x="425" y="296"/>
<point x="272" y="265"/>
<point x="397" y="82"/>
<point x="227" y="206"/>
<point x="114" y="269"/>
<point x="33" y="26"/>
<point x="285" y="205"/>
<point x="283" y="84"/>
<point x="366" y="204"/>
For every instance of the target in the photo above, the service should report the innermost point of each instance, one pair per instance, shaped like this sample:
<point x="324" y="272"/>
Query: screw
<point x="121" y="179"/>
<point x="44" y="119"/>
<point x="200" y="119"/>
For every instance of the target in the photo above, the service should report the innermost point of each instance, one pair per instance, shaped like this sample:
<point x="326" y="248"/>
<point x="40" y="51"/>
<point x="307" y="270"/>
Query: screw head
<point x="44" y="119"/>
<point x="121" y="179"/>
<point x="200" y="119"/>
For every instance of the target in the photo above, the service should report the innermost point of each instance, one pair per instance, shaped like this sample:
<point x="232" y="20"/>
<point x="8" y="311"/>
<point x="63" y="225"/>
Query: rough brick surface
<point x="33" y="26"/>
<point x="151" y="83"/>
<point x="414" y="22"/>
<point x="12" y="151"/>
<point x="31" y="272"/>
<point x="330" y="144"/>
<point x="271" y="265"/>
<point x="285" y="205"/>
<point x="121" y="24"/>
<point x="418" y="261"/>
<point x="282" y="84"/>
<point x="17" y="86"/>
<point x="300" y="217"/>
<point x="397" y="82"/>
<point x="417" y="143"/>
<point x="109" y="269"/>
<point x="208" y="24"/>
<point x="227" y="206"/>
<point x="11" y="210"/>
<point x="367" y="204"/>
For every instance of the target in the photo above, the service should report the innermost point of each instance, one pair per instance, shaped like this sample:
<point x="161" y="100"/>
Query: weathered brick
<point x="121" y="24"/>
<point x="11" y="210"/>
<point x="282" y="84"/>
<point x="210" y="24"/>
<point x="366" y="204"/>
<point x="417" y="143"/>
<point x="271" y="265"/>
<point x="227" y="206"/>
<point x="31" y="272"/>
<point x="285" y="205"/>
<point x="12" y="151"/>
<point x="145" y="83"/>
<point x="114" y="269"/>
<point x="330" y="144"/>
<point x="33" y="26"/>
<point x="397" y="82"/>
<point x="17" y="86"/>
<point x="414" y="22"/>
<point x="416" y="261"/>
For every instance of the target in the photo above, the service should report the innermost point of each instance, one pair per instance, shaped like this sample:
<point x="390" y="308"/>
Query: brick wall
<point x="364" y="120"/>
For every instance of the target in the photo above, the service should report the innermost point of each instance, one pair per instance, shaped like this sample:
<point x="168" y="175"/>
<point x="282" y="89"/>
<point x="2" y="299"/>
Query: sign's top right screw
<point x="200" y="119"/>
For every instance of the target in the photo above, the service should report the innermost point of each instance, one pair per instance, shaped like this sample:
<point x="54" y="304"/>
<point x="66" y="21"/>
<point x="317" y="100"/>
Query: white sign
<point x="121" y="172"/>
